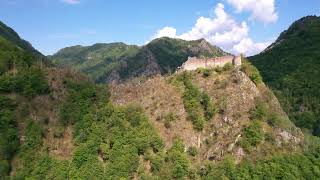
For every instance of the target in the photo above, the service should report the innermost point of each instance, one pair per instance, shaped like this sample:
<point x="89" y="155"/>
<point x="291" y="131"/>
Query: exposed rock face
<point x="150" y="67"/>
<point x="202" y="46"/>
<point x="114" y="77"/>
<point x="286" y="137"/>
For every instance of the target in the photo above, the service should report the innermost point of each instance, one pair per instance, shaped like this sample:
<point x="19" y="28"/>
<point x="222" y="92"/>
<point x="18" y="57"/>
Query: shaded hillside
<point x="291" y="67"/>
<point x="11" y="36"/>
<point x="118" y="61"/>
<point x="30" y="94"/>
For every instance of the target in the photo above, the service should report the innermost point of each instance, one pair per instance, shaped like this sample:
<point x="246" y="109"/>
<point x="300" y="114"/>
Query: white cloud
<point x="221" y="30"/>
<point x="166" y="32"/>
<point x="248" y="47"/>
<point x="262" y="10"/>
<point x="71" y="1"/>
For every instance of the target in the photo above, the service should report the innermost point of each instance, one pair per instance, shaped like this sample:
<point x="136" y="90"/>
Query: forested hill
<point x="11" y="36"/>
<point x="291" y="67"/>
<point x="118" y="61"/>
<point x="219" y="123"/>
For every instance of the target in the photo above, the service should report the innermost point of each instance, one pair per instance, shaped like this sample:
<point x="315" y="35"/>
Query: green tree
<point x="252" y="135"/>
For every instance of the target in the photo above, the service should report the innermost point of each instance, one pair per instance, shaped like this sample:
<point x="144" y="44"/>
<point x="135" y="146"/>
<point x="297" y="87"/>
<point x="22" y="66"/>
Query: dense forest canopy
<point x="290" y="66"/>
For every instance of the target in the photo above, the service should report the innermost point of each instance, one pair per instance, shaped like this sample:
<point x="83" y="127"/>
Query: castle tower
<point x="237" y="61"/>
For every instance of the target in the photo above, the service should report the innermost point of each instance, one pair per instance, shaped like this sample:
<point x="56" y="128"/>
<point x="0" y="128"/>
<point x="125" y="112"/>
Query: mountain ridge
<point x="160" y="56"/>
<point x="9" y="34"/>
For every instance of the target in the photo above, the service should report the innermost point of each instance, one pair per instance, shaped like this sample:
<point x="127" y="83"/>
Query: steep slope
<point x="118" y="61"/>
<point x="236" y="103"/>
<point x="30" y="94"/>
<point x="96" y="60"/>
<point x="57" y="124"/>
<point x="291" y="67"/>
<point x="246" y="127"/>
<point x="11" y="36"/>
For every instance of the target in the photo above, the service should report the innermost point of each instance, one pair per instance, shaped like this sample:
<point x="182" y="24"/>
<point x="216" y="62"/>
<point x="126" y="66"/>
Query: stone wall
<point x="194" y="63"/>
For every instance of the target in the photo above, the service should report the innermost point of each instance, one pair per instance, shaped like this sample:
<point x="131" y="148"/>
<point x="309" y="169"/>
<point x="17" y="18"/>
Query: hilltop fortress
<point x="194" y="63"/>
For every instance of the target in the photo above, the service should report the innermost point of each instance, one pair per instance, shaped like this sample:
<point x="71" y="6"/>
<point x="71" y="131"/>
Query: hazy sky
<point x="246" y="26"/>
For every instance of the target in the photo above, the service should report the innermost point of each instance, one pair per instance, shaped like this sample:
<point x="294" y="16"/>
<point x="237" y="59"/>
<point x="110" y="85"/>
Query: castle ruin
<point x="194" y="63"/>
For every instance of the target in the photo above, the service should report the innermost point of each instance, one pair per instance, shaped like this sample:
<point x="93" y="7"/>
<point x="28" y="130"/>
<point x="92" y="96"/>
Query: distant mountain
<point x="291" y="66"/>
<point x="221" y="123"/>
<point x="118" y="61"/>
<point x="11" y="36"/>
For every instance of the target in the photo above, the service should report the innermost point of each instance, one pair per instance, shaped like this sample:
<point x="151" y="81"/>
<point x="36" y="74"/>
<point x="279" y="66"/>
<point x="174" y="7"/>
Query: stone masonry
<point x="194" y="63"/>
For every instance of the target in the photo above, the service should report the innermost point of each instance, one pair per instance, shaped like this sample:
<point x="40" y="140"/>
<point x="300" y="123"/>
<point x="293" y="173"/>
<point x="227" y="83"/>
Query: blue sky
<point x="237" y="26"/>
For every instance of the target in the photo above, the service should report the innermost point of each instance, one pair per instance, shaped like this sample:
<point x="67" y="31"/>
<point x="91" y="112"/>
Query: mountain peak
<point x="291" y="67"/>
<point x="302" y="30"/>
<point x="304" y="25"/>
